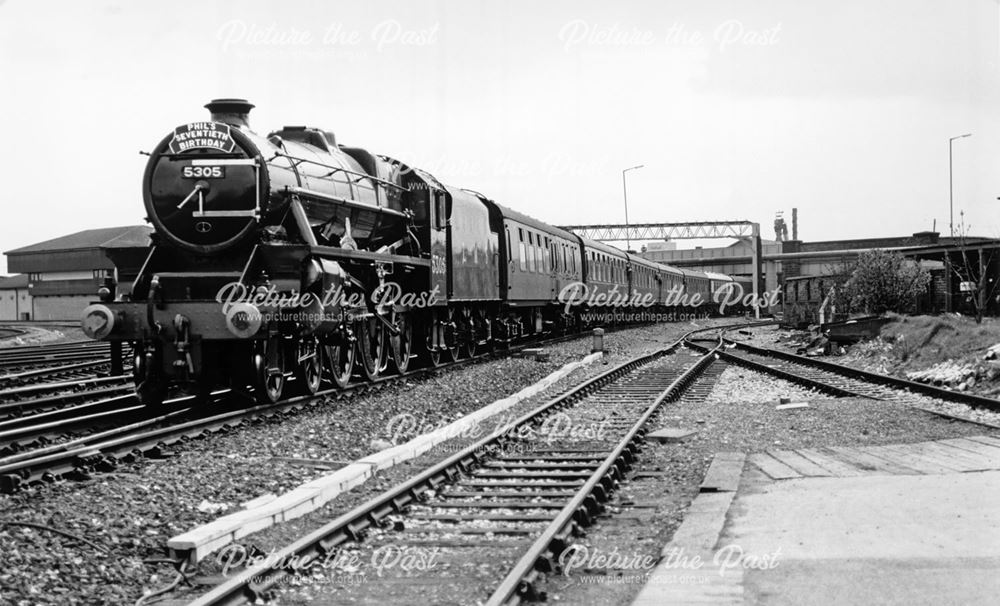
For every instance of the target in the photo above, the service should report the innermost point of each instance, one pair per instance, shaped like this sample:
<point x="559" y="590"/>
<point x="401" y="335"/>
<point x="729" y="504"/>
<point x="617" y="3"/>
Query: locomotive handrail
<point x="309" y="193"/>
<point x="335" y="169"/>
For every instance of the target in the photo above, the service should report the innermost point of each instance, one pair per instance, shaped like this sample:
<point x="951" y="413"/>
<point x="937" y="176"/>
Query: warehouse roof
<point x="128" y="236"/>
<point x="11" y="282"/>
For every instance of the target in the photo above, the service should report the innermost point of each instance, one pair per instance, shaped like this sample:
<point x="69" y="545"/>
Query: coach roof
<point x="508" y="213"/>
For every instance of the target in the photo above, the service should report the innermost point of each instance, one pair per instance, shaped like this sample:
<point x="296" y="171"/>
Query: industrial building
<point x="15" y="298"/>
<point x="955" y="263"/>
<point x="61" y="276"/>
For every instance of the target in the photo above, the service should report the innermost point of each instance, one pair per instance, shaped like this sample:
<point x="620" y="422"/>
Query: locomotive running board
<point x="308" y="193"/>
<point x="365" y="255"/>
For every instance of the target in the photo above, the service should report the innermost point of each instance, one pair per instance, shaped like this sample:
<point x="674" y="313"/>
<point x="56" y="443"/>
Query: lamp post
<point x="628" y="241"/>
<point x="951" y="185"/>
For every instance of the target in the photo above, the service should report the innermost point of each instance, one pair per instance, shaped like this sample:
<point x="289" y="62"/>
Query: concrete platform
<point x="906" y="524"/>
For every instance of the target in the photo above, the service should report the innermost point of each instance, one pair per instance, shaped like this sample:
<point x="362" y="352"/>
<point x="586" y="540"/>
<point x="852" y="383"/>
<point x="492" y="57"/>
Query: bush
<point x="885" y="281"/>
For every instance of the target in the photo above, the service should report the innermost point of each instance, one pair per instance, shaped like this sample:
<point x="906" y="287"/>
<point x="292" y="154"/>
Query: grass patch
<point x="921" y="341"/>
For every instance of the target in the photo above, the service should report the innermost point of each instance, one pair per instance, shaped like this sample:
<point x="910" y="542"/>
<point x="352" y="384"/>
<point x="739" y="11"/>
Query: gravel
<point x="773" y="338"/>
<point x="738" y="415"/>
<point x="133" y="511"/>
<point x="41" y="334"/>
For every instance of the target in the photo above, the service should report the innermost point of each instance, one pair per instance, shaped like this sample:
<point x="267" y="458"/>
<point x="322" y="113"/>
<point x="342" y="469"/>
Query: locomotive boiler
<point x="265" y="252"/>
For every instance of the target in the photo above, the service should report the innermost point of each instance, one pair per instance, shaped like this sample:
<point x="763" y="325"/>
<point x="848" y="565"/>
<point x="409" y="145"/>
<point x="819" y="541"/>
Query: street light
<point x="951" y="185"/>
<point x="628" y="242"/>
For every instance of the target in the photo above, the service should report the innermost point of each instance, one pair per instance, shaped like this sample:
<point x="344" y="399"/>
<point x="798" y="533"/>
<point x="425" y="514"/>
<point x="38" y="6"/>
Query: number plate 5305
<point x="204" y="172"/>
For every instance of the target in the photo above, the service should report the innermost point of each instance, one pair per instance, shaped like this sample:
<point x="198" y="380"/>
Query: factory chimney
<point x="795" y="224"/>
<point x="235" y="112"/>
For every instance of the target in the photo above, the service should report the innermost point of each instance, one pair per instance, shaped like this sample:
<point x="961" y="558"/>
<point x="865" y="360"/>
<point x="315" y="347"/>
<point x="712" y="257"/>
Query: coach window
<point x="536" y="254"/>
<point x="531" y="252"/>
<point x="524" y="256"/>
<point x="539" y="254"/>
<point x="510" y="253"/>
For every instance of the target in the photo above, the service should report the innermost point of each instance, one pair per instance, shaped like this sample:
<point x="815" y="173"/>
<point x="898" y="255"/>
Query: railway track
<point x="844" y="381"/>
<point x="21" y="401"/>
<point x="841" y="380"/>
<point x="46" y="446"/>
<point x="53" y="364"/>
<point x="40" y="429"/>
<point x="76" y="371"/>
<point x="516" y="497"/>
<point x="13" y="357"/>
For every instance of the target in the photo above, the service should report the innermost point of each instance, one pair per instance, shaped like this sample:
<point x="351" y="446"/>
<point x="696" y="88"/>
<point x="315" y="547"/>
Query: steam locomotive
<point x="284" y="261"/>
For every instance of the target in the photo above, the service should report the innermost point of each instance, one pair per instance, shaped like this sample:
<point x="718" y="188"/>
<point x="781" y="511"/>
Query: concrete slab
<point x="793" y="406"/>
<point x="724" y="473"/>
<point x="870" y="517"/>
<point x="670" y="434"/>
<point x="861" y="539"/>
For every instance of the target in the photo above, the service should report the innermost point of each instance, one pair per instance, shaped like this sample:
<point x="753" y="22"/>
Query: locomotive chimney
<point x="235" y="112"/>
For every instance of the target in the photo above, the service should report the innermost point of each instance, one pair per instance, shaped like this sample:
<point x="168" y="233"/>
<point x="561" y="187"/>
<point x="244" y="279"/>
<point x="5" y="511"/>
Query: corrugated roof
<point x="11" y="282"/>
<point x="106" y="237"/>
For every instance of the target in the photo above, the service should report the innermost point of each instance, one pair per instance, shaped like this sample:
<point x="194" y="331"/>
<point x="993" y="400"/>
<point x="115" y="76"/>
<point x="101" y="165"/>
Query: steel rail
<point x="519" y="582"/>
<point x="352" y="525"/>
<point x="871" y="377"/>
<point x="63" y="458"/>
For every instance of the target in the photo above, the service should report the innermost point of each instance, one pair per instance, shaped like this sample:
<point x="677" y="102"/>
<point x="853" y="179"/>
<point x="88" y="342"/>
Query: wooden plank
<point x="799" y="463"/>
<point x="724" y="473"/>
<point x="871" y="463"/>
<point x="480" y="517"/>
<point x="501" y="484"/>
<point x="773" y="468"/>
<point x="483" y="472"/>
<point x="508" y="494"/>
<point x="920" y="451"/>
<point x="968" y="461"/>
<point x="495" y="504"/>
<point x="991" y="452"/>
<point x="479" y="530"/>
<point x="836" y="467"/>
<point x="922" y="464"/>
<point x="988" y="440"/>
<point x="986" y="460"/>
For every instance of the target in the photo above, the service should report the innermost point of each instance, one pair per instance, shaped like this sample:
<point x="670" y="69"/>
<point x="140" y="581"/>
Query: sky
<point x="735" y="109"/>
